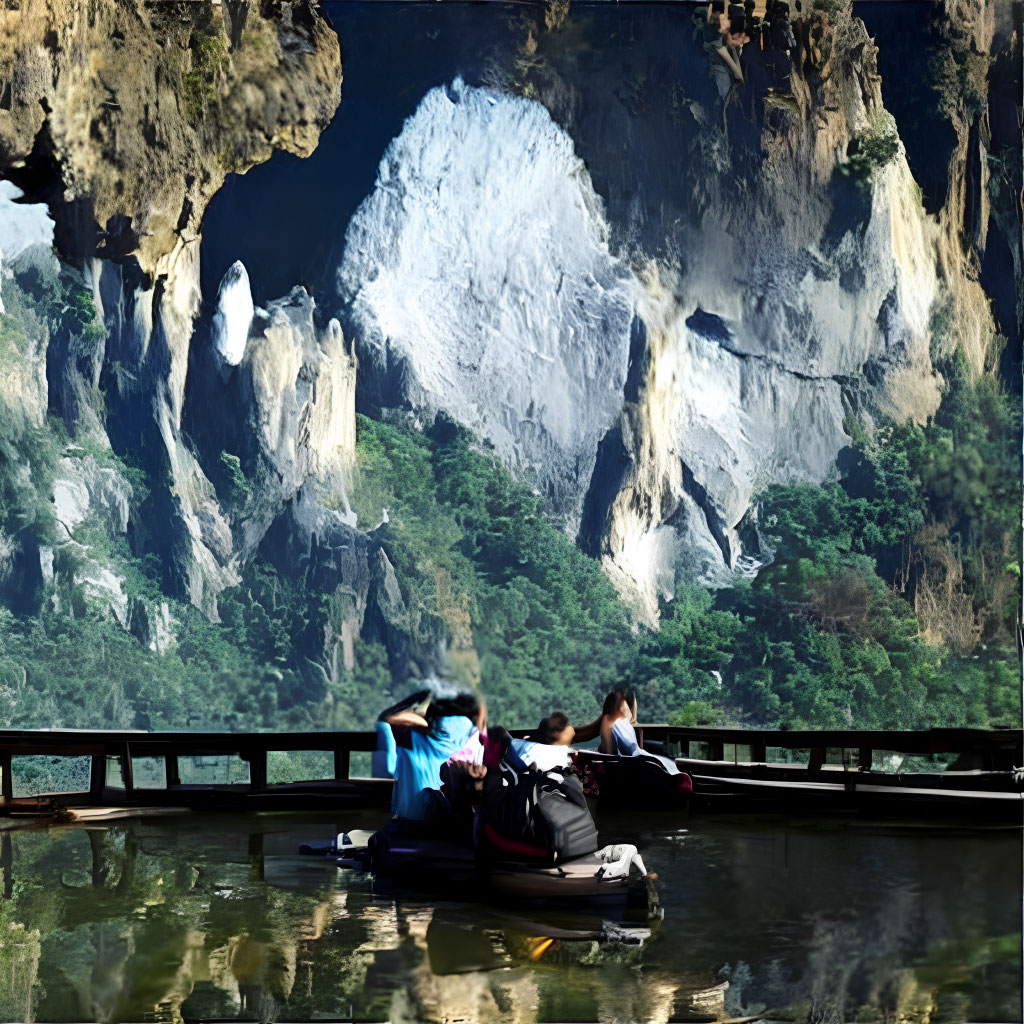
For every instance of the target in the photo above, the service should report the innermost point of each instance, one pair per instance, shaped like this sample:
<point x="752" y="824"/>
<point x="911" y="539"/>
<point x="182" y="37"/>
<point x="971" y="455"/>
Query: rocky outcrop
<point x="127" y="117"/>
<point x="127" y="153"/>
<point x="793" y="318"/>
<point x="968" y="27"/>
<point x="23" y="344"/>
<point x="682" y="384"/>
<point x="478" y="273"/>
<point x="83" y="487"/>
<point x="279" y="420"/>
<point x="363" y="600"/>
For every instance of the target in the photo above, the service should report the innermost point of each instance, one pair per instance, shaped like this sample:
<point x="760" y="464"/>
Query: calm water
<point x="199" y="917"/>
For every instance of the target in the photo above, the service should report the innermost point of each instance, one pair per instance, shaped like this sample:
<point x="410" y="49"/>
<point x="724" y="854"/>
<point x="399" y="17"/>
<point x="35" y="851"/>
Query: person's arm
<point x="407" y="719"/>
<point x="589" y="732"/>
<point x="726" y="55"/>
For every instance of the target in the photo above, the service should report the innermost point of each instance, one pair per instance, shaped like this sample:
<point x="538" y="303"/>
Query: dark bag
<point x="563" y="816"/>
<point x="536" y="815"/>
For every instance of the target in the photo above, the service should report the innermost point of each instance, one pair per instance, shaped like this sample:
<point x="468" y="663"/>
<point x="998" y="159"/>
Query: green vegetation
<point x="893" y="596"/>
<point x="58" y="297"/>
<point x="876" y="147"/>
<point x="960" y="77"/>
<point x="209" y="58"/>
<point x="232" y="479"/>
<point x="891" y="599"/>
<point x="891" y="602"/>
<point x="475" y="550"/>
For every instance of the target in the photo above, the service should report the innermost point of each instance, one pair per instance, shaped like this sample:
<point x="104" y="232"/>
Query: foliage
<point x="960" y="77"/>
<point x="209" y="58"/>
<point x="60" y="299"/>
<point x="873" y="149"/>
<point x="831" y="7"/>
<point x="544" y="620"/>
<point x="231" y="479"/>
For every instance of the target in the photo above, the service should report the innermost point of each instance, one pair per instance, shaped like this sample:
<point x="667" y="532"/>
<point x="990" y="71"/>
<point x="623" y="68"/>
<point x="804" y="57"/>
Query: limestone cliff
<point x="125" y="119"/>
<point x="651" y="391"/>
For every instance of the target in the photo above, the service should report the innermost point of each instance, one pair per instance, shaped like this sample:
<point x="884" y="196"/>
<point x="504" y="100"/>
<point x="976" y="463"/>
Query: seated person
<point x="723" y="64"/>
<point x="385" y="756"/>
<point x="618" y="732"/>
<point x="549" y="746"/>
<point x="423" y="742"/>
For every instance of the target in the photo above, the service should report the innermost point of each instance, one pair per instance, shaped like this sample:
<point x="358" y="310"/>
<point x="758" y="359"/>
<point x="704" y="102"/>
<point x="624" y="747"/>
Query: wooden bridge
<point x="731" y="768"/>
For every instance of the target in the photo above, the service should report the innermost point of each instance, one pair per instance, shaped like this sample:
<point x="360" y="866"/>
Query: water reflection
<point x="186" y="919"/>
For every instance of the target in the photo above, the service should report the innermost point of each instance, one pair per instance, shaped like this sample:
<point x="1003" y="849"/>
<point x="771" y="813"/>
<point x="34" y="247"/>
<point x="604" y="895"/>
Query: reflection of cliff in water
<point x="167" y="921"/>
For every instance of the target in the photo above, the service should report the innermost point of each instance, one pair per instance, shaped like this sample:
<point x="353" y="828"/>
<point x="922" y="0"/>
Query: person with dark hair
<point x="547" y="748"/>
<point x="736" y="37"/>
<point x="723" y="66"/>
<point x="556" y="728"/>
<point x="751" y="22"/>
<point x="619" y="706"/>
<point x="618" y="730"/>
<point x="780" y="42"/>
<point x="424" y="742"/>
<point x="797" y="26"/>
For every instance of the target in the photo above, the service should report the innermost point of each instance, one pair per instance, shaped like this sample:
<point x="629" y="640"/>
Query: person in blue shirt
<point x="423" y="742"/>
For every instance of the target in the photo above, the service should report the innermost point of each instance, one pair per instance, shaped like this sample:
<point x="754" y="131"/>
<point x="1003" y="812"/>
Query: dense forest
<point x="890" y="601"/>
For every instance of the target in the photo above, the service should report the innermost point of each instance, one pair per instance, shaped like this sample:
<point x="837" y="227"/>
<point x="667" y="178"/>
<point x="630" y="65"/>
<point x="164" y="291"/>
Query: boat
<point x="414" y="861"/>
<point x="631" y="782"/>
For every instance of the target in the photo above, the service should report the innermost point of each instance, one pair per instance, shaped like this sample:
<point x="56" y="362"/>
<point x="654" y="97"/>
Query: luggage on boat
<point x="536" y="815"/>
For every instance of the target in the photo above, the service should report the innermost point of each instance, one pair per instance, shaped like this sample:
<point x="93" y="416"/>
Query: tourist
<point x="723" y="65"/>
<point x="780" y="42"/>
<point x="618" y="730"/>
<point x="752" y="23"/>
<point x="424" y="742"/>
<point x="797" y="26"/>
<point x="736" y="38"/>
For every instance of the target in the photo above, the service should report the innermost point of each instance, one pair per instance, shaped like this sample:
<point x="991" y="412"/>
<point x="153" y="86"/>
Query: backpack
<point x="536" y="816"/>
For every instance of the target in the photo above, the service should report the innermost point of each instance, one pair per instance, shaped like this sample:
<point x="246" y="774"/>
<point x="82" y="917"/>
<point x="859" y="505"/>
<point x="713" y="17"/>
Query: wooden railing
<point x="115" y="751"/>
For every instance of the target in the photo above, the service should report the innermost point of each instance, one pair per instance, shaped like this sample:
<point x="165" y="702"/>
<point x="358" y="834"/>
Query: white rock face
<point x="22" y="224"/>
<point x="479" y="277"/>
<point x="481" y="260"/>
<point x="234" y="314"/>
<point x="711" y="427"/>
<point x="83" y="487"/>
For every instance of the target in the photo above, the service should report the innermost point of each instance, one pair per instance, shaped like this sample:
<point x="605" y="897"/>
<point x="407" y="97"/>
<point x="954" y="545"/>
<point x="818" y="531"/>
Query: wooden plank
<point x="127" y="776"/>
<point x="257" y="770"/>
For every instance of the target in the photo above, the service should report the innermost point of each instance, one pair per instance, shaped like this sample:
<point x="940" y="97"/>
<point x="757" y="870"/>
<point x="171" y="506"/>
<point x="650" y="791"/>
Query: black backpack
<point x="536" y="815"/>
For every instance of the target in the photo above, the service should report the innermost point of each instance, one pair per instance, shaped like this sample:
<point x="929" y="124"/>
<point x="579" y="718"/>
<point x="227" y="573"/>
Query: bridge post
<point x="6" y="779"/>
<point x="126" y="772"/>
<point x="257" y="770"/>
<point x="341" y="762"/>
<point x="171" y="770"/>
<point x="97" y="777"/>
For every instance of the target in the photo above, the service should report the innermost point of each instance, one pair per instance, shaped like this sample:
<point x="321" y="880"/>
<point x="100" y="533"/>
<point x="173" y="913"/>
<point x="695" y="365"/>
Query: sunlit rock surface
<point x="479" y="270"/>
<point x="649" y="403"/>
<point x="234" y="315"/>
